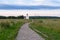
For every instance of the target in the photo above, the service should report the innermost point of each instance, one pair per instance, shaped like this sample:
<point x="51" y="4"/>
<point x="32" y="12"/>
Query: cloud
<point x="22" y="2"/>
<point x="31" y="2"/>
<point x="52" y="2"/>
<point x="3" y="2"/>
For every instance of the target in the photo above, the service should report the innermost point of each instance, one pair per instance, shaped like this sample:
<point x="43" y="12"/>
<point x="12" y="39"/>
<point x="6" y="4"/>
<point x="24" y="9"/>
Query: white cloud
<point x="39" y="0"/>
<point x="31" y="2"/>
<point x="3" y="2"/>
<point x="30" y="12"/>
<point x="22" y="2"/>
<point x="52" y="2"/>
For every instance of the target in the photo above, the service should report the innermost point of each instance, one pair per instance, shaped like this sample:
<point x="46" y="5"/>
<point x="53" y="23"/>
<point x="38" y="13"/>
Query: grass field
<point x="9" y="28"/>
<point x="47" y="28"/>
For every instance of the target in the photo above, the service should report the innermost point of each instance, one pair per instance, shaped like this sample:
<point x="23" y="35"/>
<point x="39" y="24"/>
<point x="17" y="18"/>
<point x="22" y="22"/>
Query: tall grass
<point x="9" y="28"/>
<point x="48" y="27"/>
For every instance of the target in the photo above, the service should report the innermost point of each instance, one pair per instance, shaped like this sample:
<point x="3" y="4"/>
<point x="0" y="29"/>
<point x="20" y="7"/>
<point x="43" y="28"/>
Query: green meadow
<point x="9" y="28"/>
<point x="47" y="28"/>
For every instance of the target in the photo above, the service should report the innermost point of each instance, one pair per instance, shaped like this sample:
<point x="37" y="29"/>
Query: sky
<point x="30" y="12"/>
<point x="6" y="4"/>
<point x="31" y="2"/>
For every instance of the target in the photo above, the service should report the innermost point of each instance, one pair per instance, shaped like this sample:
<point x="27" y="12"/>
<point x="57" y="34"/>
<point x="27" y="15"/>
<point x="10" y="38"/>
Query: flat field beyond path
<point x="49" y="29"/>
<point x="9" y="28"/>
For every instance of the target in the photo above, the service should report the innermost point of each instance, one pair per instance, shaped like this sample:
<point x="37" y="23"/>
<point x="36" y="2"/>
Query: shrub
<point x="5" y="24"/>
<point x="41" y="21"/>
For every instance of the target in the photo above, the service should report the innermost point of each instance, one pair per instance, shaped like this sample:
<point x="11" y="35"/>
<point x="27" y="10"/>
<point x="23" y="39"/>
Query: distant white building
<point x="27" y="16"/>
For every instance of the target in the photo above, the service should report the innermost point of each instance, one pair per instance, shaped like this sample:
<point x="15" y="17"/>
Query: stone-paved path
<point x="25" y="33"/>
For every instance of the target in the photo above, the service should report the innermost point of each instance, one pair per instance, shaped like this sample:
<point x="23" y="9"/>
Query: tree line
<point x="44" y="17"/>
<point x="12" y="17"/>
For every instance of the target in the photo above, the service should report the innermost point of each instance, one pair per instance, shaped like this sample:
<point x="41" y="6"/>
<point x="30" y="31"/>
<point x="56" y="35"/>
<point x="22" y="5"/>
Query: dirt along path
<point x="25" y="33"/>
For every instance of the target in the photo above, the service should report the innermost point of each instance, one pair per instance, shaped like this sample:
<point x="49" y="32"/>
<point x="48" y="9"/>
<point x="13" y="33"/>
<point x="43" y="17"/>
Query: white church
<point x="27" y="16"/>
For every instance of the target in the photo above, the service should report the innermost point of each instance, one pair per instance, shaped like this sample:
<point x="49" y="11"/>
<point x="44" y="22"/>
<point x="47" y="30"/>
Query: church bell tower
<point x="27" y="16"/>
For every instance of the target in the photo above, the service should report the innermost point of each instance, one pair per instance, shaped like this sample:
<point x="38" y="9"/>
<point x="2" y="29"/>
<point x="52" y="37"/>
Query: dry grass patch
<point x="50" y="27"/>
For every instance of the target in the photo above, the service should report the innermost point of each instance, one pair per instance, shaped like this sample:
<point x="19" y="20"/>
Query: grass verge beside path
<point x="9" y="28"/>
<point x="47" y="28"/>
